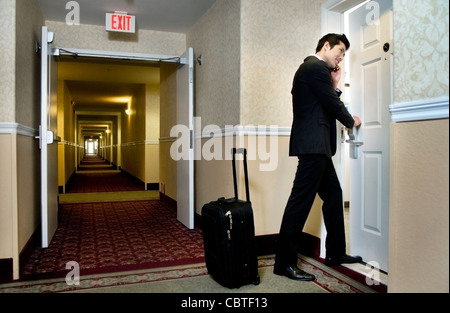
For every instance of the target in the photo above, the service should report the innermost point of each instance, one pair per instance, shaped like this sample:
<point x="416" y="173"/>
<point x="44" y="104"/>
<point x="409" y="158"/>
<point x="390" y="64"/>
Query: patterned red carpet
<point x="102" y="182"/>
<point x="116" y="236"/>
<point x="131" y="246"/>
<point x="97" y="175"/>
<point x="113" y="236"/>
<point x="192" y="279"/>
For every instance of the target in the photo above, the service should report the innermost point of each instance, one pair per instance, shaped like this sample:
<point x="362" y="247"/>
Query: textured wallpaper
<point x="28" y="73"/>
<point x="216" y="37"/>
<point x="276" y="37"/>
<point x="94" y="37"/>
<point x="251" y="51"/>
<point x="270" y="39"/>
<point x="421" y="58"/>
<point x="7" y="61"/>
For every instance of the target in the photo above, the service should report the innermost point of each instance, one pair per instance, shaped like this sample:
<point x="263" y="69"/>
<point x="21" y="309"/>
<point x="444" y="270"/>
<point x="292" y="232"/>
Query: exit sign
<point x="120" y="22"/>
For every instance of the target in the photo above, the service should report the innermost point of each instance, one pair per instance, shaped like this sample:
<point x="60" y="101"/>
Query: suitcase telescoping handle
<point x="242" y="151"/>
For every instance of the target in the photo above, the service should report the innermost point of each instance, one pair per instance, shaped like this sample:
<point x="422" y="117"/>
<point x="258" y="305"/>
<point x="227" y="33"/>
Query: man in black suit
<point x="316" y="107"/>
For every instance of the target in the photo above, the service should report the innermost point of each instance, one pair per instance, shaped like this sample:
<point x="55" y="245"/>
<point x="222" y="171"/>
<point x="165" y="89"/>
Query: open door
<point x="48" y="141"/>
<point x="371" y="54"/>
<point x="185" y="118"/>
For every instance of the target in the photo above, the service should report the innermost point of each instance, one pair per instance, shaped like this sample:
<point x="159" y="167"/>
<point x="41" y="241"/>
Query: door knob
<point x="353" y="144"/>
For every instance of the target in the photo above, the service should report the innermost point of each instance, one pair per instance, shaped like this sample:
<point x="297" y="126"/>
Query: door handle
<point x="353" y="144"/>
<point x="351" y="135"/>
<point x="47" y="138"/>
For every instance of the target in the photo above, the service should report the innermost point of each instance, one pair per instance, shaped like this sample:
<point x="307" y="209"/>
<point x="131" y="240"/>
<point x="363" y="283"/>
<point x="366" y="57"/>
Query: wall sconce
<point x="128" y="111"/>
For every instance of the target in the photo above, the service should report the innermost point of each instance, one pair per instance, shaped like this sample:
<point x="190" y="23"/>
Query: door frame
<point x="333" y="20"/>
<point x="185" y="118"/>
<point x="175" y="59"/>
<point x="48" y="139"/>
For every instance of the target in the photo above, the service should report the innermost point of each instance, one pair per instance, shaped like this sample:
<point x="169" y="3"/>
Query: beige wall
<point x="69" y="136"/>
<point x="275" y="38"/>
<point x="243" y="49"/>
<point x="66" y="148"/>
<point x="152" y="132"/>
<point x="93" y="37"/>
<point x="140" y="135"/>
<point x="28" y="192"/>
<point x="419" y="217"/>
<point x="133" y="136"/>
<point x="28" y="32"/>
<point x="8" y="61"/>
<point x="19" y="119"/>
<point x="269" y="190"/>
<point x="419" y="220"/>
<point x="216" y="37"/>
<point x="8" y="168"/>
<point x="421" y="62"/>
<point x="249" y="60"/>
<point x="8" y="196"/>
<point x="270" y="52"/>
<point x="168" y="118"/>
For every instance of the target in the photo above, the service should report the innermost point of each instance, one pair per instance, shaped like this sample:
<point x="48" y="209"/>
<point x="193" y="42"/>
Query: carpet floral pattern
<point x="111" y="236"/>
<point x="194" y="278"/>
<point x="102" y="182"/>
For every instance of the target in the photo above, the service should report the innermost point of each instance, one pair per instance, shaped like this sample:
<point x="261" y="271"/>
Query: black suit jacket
<point x="316" y="107"/>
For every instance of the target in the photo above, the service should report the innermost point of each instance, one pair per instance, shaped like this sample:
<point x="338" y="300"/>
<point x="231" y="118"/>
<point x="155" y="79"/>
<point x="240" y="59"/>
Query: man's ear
<point x="326" y="46"/>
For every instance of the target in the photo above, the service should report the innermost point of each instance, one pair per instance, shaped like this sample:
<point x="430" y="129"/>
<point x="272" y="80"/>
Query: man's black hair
<point x="333" y="39"/>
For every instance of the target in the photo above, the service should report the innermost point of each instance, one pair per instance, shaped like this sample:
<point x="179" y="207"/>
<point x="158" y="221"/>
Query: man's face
<point x="334" y="56"/>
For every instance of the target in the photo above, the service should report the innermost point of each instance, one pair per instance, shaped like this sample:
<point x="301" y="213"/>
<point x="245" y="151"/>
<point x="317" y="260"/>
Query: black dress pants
<point x="315" y="175"/>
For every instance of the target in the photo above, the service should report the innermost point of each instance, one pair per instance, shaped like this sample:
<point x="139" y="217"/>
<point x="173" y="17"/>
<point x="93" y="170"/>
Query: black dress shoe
<point x="293" y="272"/>
<point x="348" y="259"/>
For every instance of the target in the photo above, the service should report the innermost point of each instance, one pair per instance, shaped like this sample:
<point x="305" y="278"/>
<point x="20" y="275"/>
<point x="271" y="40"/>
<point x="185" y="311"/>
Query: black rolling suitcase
<point x="229" y="237"/>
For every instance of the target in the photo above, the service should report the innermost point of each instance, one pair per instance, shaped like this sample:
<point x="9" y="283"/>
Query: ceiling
<point x="105" y="84"/>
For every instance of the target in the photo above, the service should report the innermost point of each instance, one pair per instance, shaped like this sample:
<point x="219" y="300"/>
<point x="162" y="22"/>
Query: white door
<point x="185" y="118"/>
<point x="370" y="54"/>
<point x="48" y="141"/>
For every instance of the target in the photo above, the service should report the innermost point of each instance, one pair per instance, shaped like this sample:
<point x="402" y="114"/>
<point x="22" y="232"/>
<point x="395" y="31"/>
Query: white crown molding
<point x="428" y="109"/>
<point x="15" y="128"/>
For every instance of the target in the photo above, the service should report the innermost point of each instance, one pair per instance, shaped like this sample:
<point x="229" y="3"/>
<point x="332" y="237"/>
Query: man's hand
<point x="336" y="76"/>
<point x="357" y="121"/>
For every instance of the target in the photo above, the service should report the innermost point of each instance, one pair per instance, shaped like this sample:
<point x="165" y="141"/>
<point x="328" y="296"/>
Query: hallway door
<point x="48" y="141"/>
<point x="185" y="119"/>
<point x="371" y="54"/>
